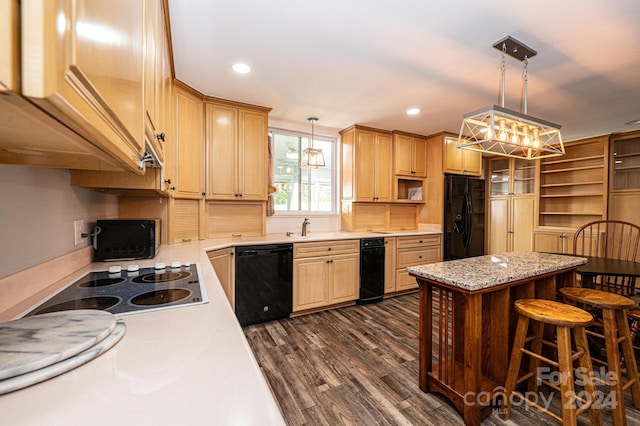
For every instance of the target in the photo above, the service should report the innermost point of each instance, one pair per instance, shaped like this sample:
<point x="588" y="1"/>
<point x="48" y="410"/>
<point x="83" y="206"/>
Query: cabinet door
<point x="471" y="162"/>
<point x="222" y="262"/>
<point x="403" y="155"/>
<point x="390" y="264"/>
<point x="420" y="157"/>
<point x="184" y="220"/>
<point x="153" y="72"/>
<point x="452" y="156"/>
<point x="345" y="278"/>
<point x="498" y="225"/>
<point x="522" y="221"/>
<point x="221" y="137"/>
<point x="252" y="155"/>
<point x="365" y="166"/>
<point x="551" y="242"/>
<point x="83" y="63"/>
<point x="310" y="283"/>
<point x="188" y="150"/>
<point x="382" y="170"/>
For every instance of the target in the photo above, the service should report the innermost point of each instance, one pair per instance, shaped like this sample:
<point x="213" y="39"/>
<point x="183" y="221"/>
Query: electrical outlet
<point x="78" y="229"/>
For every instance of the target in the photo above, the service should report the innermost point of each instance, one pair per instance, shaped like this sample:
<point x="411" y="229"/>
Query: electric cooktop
<point x="131" y="289"/>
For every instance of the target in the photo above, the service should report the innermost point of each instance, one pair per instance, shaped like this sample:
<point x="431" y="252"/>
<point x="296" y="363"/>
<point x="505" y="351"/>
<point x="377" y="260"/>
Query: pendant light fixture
<point x="312" y="157"/>
<point x="500" y="131"/>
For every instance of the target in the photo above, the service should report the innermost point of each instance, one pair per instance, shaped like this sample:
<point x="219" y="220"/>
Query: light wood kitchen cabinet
<point x="511" y="205"/>
<point x="325" y="273"/>
<point x="460" y="161"/>
<point x="237" y="151"/>
<point x="624" y="195"/>
<point x="155" y="71"/>
<point x="511" y="222"/>
<point x="185" y="219"/>
<point x="553" y="241"/>
<point x="223" y="264"/>
<point x="389" y="265"/>
<point x="409" y="154"/>
<point x="35" y="137"/>
<point x="366" y="164"/>
<point x="371" y="217"/>
<point x="82" y="63"/>
<point x="187" y="165"/>
<point x="413" y="251"/>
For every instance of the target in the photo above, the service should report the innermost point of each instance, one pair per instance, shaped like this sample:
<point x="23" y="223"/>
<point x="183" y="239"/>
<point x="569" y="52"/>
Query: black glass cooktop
<point x="131" y="290"/>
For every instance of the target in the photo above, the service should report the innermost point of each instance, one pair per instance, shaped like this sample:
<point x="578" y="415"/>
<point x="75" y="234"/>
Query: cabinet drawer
<point x="419" y="241"/>
<point x="412" y="256"/>
<point x="324" y="248"/>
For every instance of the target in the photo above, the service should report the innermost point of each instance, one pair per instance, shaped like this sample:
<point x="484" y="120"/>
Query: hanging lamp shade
<point x="500" y="131"/>
<point x="312" y="157"/>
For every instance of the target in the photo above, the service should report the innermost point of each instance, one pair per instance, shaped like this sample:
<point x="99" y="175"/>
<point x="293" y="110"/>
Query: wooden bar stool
<point x="565" y="318"/>
<point x="615" y="327"/>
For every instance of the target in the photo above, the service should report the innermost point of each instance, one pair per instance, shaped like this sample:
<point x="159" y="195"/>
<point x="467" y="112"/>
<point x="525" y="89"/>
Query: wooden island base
<point x="466" y="333"/>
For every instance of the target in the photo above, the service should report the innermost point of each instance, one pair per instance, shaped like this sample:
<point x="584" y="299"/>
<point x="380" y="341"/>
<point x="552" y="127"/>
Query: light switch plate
<point x="78" y="229"/>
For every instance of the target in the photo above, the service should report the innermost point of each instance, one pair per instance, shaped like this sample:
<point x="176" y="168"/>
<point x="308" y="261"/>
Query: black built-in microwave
<point x="124" y="239"/>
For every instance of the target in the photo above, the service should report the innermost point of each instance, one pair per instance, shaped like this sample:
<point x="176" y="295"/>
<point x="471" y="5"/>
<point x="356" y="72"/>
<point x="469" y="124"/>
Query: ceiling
<point x="366" y="62"/>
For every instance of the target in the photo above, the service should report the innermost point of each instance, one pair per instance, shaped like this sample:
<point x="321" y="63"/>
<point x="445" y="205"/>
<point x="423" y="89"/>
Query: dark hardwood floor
<point x="359" y="366"/>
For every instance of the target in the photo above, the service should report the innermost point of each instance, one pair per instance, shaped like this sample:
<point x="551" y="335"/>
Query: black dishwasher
<point x="264" y="282"/>
<point x="371" y="270"/>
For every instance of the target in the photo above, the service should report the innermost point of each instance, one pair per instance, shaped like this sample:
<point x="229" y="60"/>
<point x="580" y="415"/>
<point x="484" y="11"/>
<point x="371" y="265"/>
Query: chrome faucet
<point x="305" y="227"/>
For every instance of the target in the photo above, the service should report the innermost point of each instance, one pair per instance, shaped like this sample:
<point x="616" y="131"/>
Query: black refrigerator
<point x="463" y="217"/>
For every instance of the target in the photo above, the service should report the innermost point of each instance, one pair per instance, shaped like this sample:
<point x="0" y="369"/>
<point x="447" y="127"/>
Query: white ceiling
<point x="367" y="61"/>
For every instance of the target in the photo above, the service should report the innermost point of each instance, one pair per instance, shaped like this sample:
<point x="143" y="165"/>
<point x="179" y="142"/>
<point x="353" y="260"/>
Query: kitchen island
<point x="467" y="321"/>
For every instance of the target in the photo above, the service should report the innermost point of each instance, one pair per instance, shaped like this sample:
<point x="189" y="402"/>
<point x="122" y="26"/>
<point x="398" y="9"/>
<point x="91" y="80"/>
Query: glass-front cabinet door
<point x="524" y="176"/>
<point x="626" y="164"/>
<point x="512" y="176"/>
<point x="499" y="168"/>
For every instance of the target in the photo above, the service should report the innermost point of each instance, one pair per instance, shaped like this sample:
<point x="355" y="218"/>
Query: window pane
<point x="297" y="186"/>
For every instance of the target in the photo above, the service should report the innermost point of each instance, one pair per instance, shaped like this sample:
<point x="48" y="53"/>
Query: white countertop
<point x="476" y="273"/>
<point x="189" y="365"/>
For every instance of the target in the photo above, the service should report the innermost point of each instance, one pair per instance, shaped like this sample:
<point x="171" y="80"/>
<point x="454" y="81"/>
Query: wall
<point x="37" y="212"/>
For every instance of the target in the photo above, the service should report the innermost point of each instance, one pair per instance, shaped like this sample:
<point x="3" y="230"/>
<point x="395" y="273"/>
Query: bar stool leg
<point x="514" y="366"/>
<point x="629" y="356"/>
<point x="567" y="392"/>
<point x="613" y="362"/>
<point x="536" y="347"/>
<point x="580" y="337"/>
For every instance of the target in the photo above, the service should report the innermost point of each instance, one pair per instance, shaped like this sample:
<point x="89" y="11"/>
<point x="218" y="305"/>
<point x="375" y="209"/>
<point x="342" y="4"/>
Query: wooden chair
<point x="612" y="239"/>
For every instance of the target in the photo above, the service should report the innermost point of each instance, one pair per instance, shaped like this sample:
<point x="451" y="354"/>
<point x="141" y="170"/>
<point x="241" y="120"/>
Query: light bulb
<point x="536" y="142"/>
<point x="526" y="140"/>
<point x="514" y="133"/>
<point x="503" y="130"/>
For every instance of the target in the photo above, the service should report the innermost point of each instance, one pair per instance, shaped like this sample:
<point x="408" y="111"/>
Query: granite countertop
<point x="476" y="273"/>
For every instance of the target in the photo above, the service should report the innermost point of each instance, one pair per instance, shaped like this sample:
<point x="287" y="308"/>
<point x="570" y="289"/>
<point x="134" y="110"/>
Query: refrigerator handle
<point x="466" y="219"/>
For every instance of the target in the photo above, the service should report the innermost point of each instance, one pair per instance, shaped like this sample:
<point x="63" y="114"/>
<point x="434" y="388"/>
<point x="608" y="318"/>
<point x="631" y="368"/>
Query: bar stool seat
<point x="616" y="333"/>
<point x="566" y="319"/>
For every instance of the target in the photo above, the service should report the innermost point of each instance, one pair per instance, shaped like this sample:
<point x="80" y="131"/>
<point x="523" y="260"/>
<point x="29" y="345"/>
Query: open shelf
<point x="572" y="188"/>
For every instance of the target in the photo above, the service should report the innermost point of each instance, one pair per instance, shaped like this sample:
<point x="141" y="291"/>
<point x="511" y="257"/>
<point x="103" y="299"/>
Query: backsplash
<point x="37" y="213"/>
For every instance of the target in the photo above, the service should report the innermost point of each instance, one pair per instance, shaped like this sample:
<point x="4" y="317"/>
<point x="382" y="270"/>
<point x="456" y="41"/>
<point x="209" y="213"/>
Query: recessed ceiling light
<point x="413" y="111"/>
<point x="241" y="68"/>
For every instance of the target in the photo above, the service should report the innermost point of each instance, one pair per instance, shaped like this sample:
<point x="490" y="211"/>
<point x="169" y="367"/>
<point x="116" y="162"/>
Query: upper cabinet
<point x="461" y="161"/>
<point x="237" y="151"/>
<point x="624" y="200"/>
<point x="410" y="155"/>
<point x="187" y="150"/>
<point x="366" y="164"/>
<point x="82" y="62"/>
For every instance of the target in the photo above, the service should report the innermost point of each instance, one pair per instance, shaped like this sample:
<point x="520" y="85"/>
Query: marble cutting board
<point x="42" y="374"/>
<point x="31" y="343"/>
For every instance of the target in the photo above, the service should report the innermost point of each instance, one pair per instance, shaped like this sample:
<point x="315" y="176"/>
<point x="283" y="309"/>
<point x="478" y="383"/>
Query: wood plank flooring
<point x="359" y="366"/>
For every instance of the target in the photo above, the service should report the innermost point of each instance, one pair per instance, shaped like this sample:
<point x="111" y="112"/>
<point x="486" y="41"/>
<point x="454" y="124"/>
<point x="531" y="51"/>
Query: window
<point x="300" y="188"/>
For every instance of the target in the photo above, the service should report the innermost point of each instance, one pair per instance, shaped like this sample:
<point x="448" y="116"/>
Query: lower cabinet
<point x="325" y="273"/>
<point x="223" y="264"/>
<point x="389" y="265"/>
<point x="412" y="251"/>
<point x="553" y="241"/>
